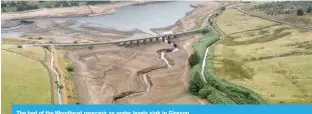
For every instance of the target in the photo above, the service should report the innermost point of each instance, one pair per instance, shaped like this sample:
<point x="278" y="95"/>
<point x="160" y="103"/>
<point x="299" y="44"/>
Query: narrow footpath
<point x="59" y="97"/>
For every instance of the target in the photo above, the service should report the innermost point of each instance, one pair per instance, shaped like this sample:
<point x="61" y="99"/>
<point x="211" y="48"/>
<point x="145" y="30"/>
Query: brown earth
<point x="107" y="72"/>
<point x="103" y="72"/>
<point x="85" y="10"/>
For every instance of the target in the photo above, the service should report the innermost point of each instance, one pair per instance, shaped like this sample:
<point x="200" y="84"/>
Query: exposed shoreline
<point x="85" y="10"/>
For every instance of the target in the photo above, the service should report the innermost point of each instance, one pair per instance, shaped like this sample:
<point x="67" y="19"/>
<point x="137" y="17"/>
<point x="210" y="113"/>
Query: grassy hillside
<point x="272" y="60"/>
<point x="297" y="12"/>
<point x="23" y="81"/>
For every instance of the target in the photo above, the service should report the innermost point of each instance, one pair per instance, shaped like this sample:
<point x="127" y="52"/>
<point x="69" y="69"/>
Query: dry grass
<point x="232" y="21"/>
<point x="24" y="81"/>
<point x="37" y="53"/>
<point x="272" y="61"/>
<point x="69" y="91"/>
<point x="25" y="40"/>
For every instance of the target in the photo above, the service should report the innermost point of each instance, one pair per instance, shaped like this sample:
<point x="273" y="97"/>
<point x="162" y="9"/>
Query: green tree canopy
<point x="195" y="84"/>
<point x="300" y="12"/>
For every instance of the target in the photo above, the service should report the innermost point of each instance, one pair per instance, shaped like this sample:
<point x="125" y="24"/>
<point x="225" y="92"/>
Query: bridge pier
<point x="151" y="40"/>
<point x="163" y="38"/>
<point x="157" y="39"/>
<point x="138" y="42"/>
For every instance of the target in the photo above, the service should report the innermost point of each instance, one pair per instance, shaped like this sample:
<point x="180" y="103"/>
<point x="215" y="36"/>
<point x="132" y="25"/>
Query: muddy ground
<point x="113" y="74"/>
<point x="106" y="71"/>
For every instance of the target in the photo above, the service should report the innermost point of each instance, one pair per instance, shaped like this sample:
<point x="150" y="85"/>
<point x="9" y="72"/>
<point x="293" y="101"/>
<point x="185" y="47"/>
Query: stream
<point x="143" y="73"/>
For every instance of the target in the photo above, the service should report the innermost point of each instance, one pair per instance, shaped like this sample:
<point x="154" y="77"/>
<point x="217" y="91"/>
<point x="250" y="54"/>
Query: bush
<point x="309" y="10"/>
<point x="222" y="8"/>
<point x="40" y="38"/>
<point x="217" y="97"/>
<point x="3" y="4"/>
<point x="75" y="42"/>
<point x="61" y="86"/>
<point x="90" y="47"/>
<point x="300" y="12"/>
<point x="196" y="84"/>
<point x="204" y="92"/>
<point x="205" y="31"/>
<point x="69" y="68"/>
<point x="194" y="59"/>
<point x="19" y="46"/>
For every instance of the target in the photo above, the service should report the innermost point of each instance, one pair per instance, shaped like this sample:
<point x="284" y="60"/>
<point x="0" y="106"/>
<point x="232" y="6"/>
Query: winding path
<point x="204" y="65"/>
<point x="57" y="79"/>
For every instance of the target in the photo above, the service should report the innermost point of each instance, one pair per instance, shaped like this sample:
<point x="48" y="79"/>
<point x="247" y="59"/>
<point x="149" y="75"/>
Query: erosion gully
<point x="143" y="73"/>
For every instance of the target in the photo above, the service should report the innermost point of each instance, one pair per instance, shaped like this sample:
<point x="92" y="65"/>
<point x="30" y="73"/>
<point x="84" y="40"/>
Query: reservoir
<point x="142" y="17"/>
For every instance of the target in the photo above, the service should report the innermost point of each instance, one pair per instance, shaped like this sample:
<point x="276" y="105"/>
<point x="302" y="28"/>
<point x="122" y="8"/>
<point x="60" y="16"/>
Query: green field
<point x="24" y="81"/>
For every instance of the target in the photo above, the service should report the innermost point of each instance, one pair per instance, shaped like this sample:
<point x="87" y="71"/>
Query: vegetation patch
<point x="271" y="64"/>
<point x="13" y="6"/>
<point x="24" y="81"/>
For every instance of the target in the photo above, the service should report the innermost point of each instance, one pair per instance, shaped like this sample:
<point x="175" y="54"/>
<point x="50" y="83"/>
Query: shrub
<point x="19" y="46"/>
<point x="75" y="42"/>
<point x="222" y="8"/>
<point x="300" y="12"/>
<point x="194" y="59"/>
<point x="196" y="84"/>
<point x="69" y="68"/>
<point x="40" y="38"/>
<point x="205" y="31"/>
<point x="61" y="86"/>
<point x="90" y="47"/>
<point x="217" y="97"/>
<point x="309" y="10"/>
<point x="204" y="92"/>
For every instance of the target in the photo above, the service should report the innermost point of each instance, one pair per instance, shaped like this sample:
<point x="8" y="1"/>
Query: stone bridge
<point x="147" y="40"/>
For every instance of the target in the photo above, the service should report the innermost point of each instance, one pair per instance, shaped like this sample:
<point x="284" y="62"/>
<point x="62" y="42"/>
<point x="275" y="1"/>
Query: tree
<point x="203" y="93"/>
<point x="196" y="84"/>
<point x="35" y="7"/>
<point x="194" y="59"/>
<point x="61" y="86"/>
<point x="300" y="12"/>
<point x="65" y="4"/>
<point x="69" y="68"/>
<point x="206" y="30"/>
<point x="12" y="3"/>
<point x="222" y="8"/>
<point x="3" y="4"/>
<point x="74" y="3"/>
<point x="309" y="10"/>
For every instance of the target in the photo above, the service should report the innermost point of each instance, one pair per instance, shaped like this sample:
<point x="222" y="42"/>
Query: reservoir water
<point x="143" y="17"/>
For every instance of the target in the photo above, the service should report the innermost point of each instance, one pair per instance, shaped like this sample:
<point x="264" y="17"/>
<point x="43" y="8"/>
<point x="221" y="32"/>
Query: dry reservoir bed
<point x="107" y="71"/>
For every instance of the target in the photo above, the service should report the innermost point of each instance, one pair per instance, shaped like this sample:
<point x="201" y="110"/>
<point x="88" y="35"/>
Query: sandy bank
<point x="85" y="10"/>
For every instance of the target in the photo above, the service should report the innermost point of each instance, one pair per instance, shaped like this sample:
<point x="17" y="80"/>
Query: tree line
<point x="11" y="6"/>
